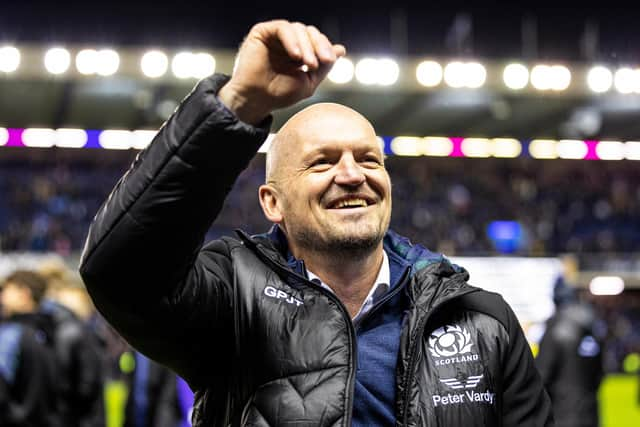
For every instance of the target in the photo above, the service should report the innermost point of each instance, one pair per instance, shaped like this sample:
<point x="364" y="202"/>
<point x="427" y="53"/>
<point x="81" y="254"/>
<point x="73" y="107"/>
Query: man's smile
<point x="351" y="202"/>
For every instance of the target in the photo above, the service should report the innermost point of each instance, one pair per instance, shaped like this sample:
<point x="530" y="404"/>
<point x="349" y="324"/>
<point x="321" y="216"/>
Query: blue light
<point x="92" y="138"/>
<point x="387" y="145"/>
<point x="506" y="236"/>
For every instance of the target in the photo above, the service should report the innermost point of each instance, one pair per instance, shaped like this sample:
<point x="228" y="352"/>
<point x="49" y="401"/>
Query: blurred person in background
<point x="27" y="396"/>
<point x="329" y="319"/>
<point x="78" y="351"/>
<point x="570" y="359"/>
<point x="157" y="397"/>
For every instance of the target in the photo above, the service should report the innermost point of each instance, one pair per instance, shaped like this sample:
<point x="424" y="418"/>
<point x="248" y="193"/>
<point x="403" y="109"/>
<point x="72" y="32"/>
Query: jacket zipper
<point x="342" y="308"/>
<point x="414" y="349"/>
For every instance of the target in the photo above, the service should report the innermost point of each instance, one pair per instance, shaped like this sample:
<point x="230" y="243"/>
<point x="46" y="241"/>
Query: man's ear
<point x="268" y="196"/>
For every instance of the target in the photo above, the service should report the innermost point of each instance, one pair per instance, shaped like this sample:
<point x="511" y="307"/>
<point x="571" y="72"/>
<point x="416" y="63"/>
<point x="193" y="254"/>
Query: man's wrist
<point x="242" y="106"/>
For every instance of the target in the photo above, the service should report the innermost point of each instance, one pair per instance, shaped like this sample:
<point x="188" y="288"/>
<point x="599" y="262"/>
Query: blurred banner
<point x="525" y="283"/>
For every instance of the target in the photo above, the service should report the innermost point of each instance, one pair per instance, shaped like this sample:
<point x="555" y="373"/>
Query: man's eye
<point x="319" y="162"/>
<point x="372" y="160"/>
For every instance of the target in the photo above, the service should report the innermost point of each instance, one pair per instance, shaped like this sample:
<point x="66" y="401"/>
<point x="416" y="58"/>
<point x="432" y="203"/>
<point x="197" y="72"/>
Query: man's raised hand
<point x="279" y="64"/>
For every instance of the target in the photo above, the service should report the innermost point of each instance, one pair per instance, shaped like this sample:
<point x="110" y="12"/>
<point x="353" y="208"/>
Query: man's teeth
<point x="351" y="203"/>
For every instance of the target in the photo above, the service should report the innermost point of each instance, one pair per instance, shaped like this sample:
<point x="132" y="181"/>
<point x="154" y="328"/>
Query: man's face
<point x="15" y="299"/>
<point x="334" y="193"/>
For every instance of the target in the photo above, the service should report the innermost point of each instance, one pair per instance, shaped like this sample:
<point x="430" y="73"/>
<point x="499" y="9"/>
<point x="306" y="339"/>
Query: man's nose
<point x="349" y="172"/>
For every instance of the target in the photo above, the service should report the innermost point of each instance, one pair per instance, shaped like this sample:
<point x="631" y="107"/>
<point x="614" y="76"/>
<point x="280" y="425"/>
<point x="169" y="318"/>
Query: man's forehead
<point x="317" y="127"/>
<point x="328" y="123"/>
<point x="327" y="116"/>
<point x="296" y="144"/>
<point x="335" y="144"/>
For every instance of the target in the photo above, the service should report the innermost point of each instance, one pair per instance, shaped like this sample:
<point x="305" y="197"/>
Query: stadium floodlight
<point x="372" y="71"/>
<point x="541" y="77"/>
<point x="429" y="73"/>
<point x="476" y="75"/>
<point x="182" y="65"/>
<point x="610" y="150"/>
<point x="367" y="71"/>
<point x="515" y="76"/>
<point x="116" y="139"/>
<point x="632" y="150"/>
<point x="142" y="138"/>
<point x="476" y="147"/>
<point x="438" y="146"/>
<point x="455" y="74"/>
<point x="636" y="80"/>
<point x="9" y="59"/>
<point x="108" y="62"/>
<point x="71" y="138"/>
<point x="86" y="61"/>
<point x="408" y="146"/>
<point x="4" y="136"/>
<point x="39" y="137"/>
<point x="626" y="80"/>
<point x="606" y="285"/>
<point x="465" y="74"/>
<point x="57" y="60"/>
<point x="204" y="65"/>
<point x="154" y="64"/>
<point x="389" y="71"/>
<point x="507" y="148"/>
<point x="560" y="77"/>
<point x="342" y="71"/>
<point x="103" y="62"/>
<point x="543" y="149"/>
<point x="550" y="77"/>
<point x="193" y="65"/>
<point x="572" y="149"/>
<point x="600" y="79"/>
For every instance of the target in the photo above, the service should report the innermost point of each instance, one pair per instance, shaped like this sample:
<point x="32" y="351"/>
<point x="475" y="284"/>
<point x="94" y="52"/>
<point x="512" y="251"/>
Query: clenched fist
<point x="278" y="64"/>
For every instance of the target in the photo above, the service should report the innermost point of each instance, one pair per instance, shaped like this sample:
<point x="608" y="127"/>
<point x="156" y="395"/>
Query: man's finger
<point x="339" y="50"/>
<point x="289" y="40"/>
<point x="281" y="31"/>
<point x="319" y="75"/>
<point x="321" y="44"/>
<point x="304" y="41"/>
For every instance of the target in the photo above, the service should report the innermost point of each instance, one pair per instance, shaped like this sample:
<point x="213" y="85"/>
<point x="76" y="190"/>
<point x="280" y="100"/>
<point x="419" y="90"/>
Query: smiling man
<point x="330" y="318"/>
<point x="331" y="196"/>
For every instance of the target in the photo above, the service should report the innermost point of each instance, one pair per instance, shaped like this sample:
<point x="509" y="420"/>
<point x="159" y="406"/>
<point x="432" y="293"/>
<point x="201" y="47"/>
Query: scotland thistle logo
<point x="450" y="340"/>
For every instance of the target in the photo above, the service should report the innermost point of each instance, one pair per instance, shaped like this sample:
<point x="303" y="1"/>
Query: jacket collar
<point x="402" y="254"/>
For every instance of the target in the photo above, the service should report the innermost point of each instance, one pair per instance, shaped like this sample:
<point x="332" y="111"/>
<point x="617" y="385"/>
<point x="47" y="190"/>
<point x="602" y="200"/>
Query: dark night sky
<point x="362" y="26"/>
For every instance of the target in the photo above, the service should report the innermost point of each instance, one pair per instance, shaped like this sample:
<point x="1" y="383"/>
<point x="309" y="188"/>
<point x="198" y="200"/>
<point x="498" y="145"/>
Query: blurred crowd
<point x="562" y="206"/>
<point x="447" y="204"/>
<point x="48" y="206"/>
<point x="59" y="359"/>
<point x="619" y="325"/>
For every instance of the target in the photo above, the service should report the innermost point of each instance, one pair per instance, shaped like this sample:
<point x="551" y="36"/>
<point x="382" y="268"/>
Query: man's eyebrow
<point x="320" y="151"/>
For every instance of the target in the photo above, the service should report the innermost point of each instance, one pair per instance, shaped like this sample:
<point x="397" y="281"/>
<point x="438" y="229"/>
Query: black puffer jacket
<point x="259" y="343"/>
<point x="570" y="364"/>
<point x="27" y="374"/>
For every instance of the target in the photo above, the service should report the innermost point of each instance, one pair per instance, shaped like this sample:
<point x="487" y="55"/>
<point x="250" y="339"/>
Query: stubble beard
<point x="346" y="246"/>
